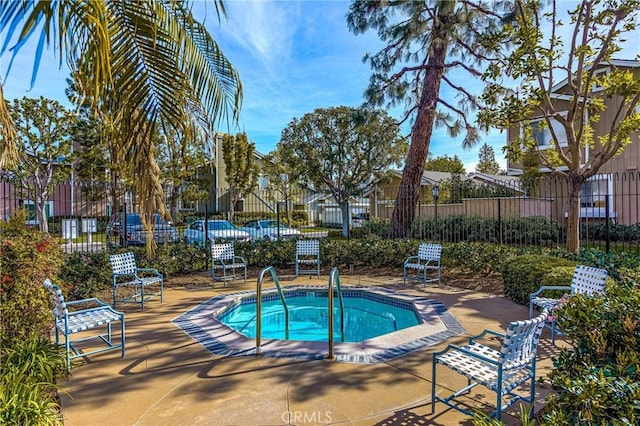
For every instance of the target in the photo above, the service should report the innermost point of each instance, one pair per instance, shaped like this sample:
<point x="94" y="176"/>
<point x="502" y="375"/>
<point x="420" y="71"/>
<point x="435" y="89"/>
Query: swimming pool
<point x="366" y="316"/>
<point x="436" y="324"/>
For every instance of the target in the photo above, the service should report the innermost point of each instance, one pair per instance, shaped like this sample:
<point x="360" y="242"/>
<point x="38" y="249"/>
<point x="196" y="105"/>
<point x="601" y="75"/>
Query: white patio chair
<point x="428" y="258"/>
<point x="308" y="253"/>
<point x="586" y="280"/>
<point x="97" y="315"/>
<point x="223" y="257"/>
<point x="125" y="273"/>
<point x="501" y="370"/>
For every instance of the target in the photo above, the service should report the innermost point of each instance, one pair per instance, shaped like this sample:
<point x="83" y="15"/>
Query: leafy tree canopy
<point x="487" y="163"/>
<point x="570" y="93"/>
<point x="343" y="150"/>
<point x="445" y="163"/>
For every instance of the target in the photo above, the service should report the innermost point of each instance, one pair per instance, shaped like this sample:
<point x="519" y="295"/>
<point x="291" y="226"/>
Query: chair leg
<point x="67" y="344"/>
<point x="499" y="403"/>
<point x="142" y="297"/>
<point x="122" y="334"/>
<point x="433" y="387"/>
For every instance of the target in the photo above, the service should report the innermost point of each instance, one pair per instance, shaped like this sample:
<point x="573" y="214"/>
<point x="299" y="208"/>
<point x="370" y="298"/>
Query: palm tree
<point x="140" y="64"/>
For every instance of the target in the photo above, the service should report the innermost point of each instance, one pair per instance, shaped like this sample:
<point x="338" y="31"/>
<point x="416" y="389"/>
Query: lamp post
<point x="435" y="191"/>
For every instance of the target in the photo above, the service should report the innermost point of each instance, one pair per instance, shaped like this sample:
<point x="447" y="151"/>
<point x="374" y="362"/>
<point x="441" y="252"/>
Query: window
<point x="263" y="182"/>
<point x="596" y="193"/>
<point x="32" y="217"/>
<point x="597" y="75"/>
<point x="542" y="134"/>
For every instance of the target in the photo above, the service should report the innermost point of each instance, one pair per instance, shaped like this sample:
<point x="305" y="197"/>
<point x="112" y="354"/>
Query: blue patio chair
<point x="96" y="315"/>
<point x="125" y="273"/>
<point x="501" y="370"/>
<point x="308" y="253"/>
<point x="223" y="257"/>
<point x="428" y="259"/>
<point x="585" y="280"/>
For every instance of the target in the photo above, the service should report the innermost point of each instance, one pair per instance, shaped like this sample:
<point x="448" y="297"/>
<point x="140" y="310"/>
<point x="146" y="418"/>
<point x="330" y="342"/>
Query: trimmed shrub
<point x="28" y="258"/>
<point x="523" y="275"/>
<point x="479" y="257"/>
<point x="598" y="376"/>
<point x="86" y="274"/>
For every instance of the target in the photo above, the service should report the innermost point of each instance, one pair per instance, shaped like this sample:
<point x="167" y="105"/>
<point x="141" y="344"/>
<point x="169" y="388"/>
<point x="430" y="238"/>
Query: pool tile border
<point x="199" y="324"/>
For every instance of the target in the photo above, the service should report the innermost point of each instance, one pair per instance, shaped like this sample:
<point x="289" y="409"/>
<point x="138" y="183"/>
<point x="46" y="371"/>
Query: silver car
<point x="217" y="230"/>
<point x="268" y="229"/>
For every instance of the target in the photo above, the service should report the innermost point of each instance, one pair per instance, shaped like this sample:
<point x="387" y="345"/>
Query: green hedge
<point x="523" y="275"/>
<point x="87" y="272"/>
<point x="597" y="378"/>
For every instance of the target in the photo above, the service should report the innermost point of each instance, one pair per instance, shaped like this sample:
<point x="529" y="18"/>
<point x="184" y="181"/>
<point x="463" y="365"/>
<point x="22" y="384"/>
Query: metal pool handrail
<point x="274" y="276"/>
<point x="334" y="276"/>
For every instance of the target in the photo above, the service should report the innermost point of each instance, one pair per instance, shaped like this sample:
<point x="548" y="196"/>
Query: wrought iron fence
<point x="502" y="210"/>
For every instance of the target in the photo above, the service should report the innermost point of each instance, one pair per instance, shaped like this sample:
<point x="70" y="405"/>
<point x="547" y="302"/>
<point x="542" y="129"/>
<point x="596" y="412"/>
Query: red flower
<point x="42" y="245"/>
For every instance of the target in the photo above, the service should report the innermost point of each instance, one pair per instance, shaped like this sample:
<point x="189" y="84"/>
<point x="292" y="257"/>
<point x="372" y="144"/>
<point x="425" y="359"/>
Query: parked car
<point x="359" y="219"/>
<point x="135" y="234"/>
<point x="267" y="229"/>
<point x="217" y="230"/>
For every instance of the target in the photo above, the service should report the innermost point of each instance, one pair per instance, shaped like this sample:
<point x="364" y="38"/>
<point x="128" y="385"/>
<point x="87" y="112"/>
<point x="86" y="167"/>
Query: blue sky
<point x="292" y="56"/>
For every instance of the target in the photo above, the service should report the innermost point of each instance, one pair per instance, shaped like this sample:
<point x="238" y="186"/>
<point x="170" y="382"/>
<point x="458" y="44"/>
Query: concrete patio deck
<point x="167" y="378"/>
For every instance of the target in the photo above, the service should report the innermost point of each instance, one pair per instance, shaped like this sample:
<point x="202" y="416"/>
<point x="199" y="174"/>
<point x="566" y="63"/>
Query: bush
<point x="30" y="367"/>
<point x="86" y="274"/>
<point x="598" y="377"/>
<point x="28" y="258"/>
<point x="523" y="275"/>
<point x="479" y="257"/>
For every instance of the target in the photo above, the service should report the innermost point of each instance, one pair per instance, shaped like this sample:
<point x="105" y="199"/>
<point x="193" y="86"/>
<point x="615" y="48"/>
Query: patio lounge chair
<point x="428" y="258"/>
<point x="96" y="315"/>
<point x="308" y="253"/>
<point x="501" y="370"/>
<point x="223" y="257"/>
<point x="125" y="273"/>
<point x="586" y="280"/>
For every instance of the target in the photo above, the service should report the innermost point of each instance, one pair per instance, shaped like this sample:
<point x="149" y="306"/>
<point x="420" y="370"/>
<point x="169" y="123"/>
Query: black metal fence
<point x="502" y="210"/>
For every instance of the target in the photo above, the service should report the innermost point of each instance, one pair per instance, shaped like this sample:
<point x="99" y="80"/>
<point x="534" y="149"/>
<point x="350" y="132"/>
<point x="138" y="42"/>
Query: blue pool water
<point x="365" y="316"/>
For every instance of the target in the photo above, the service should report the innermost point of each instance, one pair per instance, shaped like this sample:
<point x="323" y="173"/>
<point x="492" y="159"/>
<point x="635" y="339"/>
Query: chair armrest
<point x="96" y="309"/>
<point x="548" y="287"/>
<point x="92" y="301"/>
<point x="147" y="270"/>
<point x="482" y="335"/>
<point x="121" y="274"/>
<point x="410" y="258"/>
<point x="467" y="352"/>
<point x="239" y="257"/>
<point x="213" y="261"/>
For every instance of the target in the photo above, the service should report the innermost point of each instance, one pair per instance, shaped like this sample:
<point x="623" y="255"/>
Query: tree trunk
<point x="41" y="214"/>
<point x="232" y="204"/>
<point x="573" y="217"/>
<point x="173" y="202"/>
<point x="405" y="206"/>
<point x="344" y="209"/>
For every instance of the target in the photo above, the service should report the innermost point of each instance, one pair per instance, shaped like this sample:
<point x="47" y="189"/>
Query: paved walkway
<point x="167" y="378"/>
